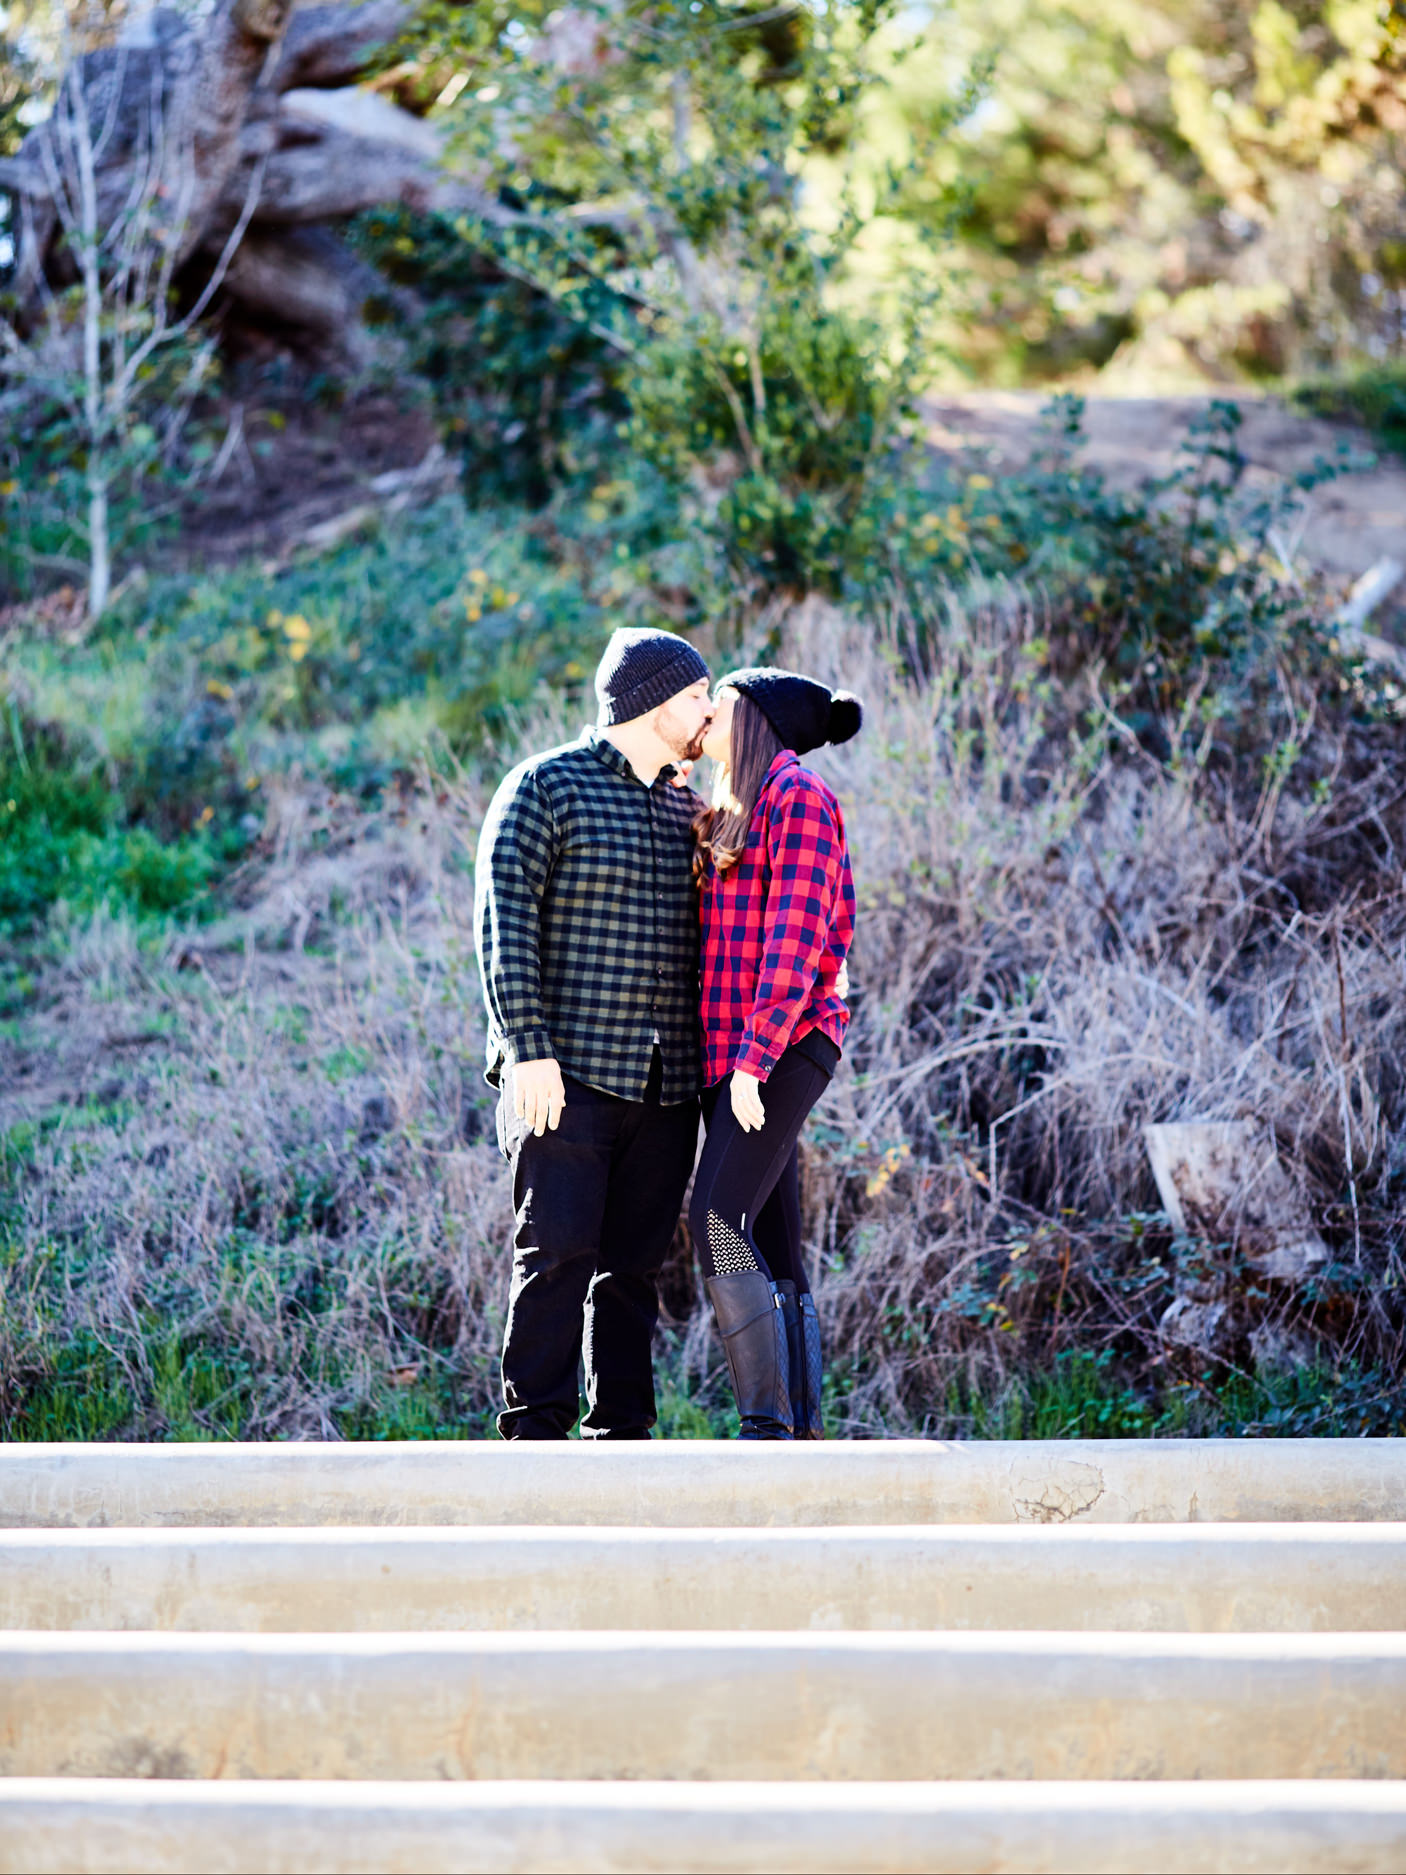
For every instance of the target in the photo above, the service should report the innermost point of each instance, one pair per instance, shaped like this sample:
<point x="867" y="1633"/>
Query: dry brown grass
<point x="289" y="1175"/>
<point x="1062" y="941"/>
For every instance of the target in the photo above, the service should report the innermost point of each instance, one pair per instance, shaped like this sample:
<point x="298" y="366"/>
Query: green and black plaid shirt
<point x="587" y="922"/>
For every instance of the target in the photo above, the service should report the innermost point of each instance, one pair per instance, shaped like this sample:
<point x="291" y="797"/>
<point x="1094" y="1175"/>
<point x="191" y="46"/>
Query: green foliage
<point x="809" y="419"/>
<point x="44" y="467"/>
<point x="1175" y="588"/>
<point x="1179" y="567"/>
<point x="1087" y="1395"/>
<point x="1374" y="396"/>
<point x="1185" y="188"/>
<point x="527" y="395"/>
<point x="469" y="615"/>
<point x="61" y="836"/>
<point x="654" y="201"/>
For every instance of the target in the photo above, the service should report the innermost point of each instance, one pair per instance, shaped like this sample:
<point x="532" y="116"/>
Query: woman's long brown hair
<point x="720" y="829"/>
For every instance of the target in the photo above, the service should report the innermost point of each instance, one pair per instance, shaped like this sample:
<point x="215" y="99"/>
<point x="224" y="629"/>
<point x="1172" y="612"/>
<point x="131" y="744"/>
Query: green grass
<point x="1083" y="1397"/>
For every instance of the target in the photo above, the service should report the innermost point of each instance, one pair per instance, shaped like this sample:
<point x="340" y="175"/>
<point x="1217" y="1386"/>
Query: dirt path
<point x="1351" y="523"/>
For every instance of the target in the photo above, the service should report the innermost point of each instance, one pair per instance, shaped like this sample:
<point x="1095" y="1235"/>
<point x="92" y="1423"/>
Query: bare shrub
<point x="1061" y="941"/>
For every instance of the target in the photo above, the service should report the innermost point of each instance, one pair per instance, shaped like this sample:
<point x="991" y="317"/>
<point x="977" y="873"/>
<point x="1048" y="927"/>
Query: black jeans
<point x="596" y="1202"/>
<point x="746" y="1205"/>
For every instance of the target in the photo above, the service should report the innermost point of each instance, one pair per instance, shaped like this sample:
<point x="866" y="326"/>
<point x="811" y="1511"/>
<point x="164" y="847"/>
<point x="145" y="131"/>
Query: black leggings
<point x="746" y="1208"/>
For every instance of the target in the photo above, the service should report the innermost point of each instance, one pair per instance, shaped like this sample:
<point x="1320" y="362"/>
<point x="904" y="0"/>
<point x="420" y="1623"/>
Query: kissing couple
<point x="645" y="956"/>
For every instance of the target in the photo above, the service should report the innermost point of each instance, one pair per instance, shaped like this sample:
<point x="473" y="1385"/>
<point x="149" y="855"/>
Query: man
<point x="587" y="928"/>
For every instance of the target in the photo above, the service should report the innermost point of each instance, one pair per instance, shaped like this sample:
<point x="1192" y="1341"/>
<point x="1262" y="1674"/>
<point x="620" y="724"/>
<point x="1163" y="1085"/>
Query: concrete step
<point x="83" y="1827"/>
<point x="703" y="1706"/>
<point x="1307" y="1578"/>
<point x="707" y="1482"/>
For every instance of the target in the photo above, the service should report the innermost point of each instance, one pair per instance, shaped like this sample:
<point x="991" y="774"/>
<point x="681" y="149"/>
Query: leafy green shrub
<point x="62" y="836"/>
<point x="158" y="876"/>
<point x="52" y="812"/>
<point x="1374" y="396"/>
<point x="654" y="202"/>
<point x="809" y="419"/>
<point x="1174" y="588"/>
<point x="528" y="396"/>
<point x="468" y="612"/>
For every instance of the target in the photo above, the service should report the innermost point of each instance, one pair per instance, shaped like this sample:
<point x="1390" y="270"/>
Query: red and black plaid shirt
<point x="777" y="927"/>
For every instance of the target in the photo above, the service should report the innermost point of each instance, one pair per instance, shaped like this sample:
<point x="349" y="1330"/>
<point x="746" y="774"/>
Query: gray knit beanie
<point x="641" y="669"/>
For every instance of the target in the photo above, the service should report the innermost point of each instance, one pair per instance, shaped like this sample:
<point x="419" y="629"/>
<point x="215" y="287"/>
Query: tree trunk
<point x="236" y="148"/>
<point x="99" y="544"/>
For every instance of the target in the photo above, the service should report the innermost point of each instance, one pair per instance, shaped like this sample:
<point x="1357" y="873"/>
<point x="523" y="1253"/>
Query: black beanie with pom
<point x="803" y="713"/>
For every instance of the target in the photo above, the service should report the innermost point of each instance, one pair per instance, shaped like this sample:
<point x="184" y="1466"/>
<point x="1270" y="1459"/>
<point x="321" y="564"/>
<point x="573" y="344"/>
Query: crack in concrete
<point x="1060" y="1500"/>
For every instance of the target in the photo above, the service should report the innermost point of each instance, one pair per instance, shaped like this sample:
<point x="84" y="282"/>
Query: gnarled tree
<point x="266" y="144"/>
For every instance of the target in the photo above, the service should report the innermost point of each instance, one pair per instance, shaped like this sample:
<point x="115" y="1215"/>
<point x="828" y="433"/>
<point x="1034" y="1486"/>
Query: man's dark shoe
<point x="752" y="1323"/>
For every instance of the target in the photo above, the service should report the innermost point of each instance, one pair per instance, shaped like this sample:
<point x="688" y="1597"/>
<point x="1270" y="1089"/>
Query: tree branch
<point x="333" y="45"/>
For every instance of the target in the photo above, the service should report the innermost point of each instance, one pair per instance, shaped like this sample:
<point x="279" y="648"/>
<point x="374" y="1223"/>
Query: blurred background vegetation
<point x="637" y="314"/>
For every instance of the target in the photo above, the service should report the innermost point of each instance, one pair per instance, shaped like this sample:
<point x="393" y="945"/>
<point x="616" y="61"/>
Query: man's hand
<point x="538" y="1094"/>
<point x="747" y="1102"/>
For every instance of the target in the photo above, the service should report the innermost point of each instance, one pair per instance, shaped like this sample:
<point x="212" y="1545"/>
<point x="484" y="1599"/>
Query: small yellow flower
<point x="478" y="576"/>
<point x="888" y="1165"/>
<point x="978" y="481"/>
<point x="8" y="488"/>
<point x="207" y="814"/>
<point x="297" y="628"/>
<point x="473" y="613"/>
<point x="214" y="688"/>
<point x="297" y="649"/>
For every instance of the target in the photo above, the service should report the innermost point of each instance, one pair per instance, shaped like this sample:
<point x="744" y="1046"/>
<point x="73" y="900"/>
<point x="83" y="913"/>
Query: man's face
<point x="682" y="722"/>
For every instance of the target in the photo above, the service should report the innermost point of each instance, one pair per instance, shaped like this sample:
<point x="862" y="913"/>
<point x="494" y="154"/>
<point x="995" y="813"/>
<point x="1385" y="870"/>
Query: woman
<point x="778" y="917"/>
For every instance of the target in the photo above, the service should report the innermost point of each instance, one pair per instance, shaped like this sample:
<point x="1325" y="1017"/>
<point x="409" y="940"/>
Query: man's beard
<point x="683" y="747"/>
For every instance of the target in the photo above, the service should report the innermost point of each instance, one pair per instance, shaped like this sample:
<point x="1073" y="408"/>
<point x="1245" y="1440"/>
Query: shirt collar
<point x="782" y="760"/>
<point x="605" y="751"/>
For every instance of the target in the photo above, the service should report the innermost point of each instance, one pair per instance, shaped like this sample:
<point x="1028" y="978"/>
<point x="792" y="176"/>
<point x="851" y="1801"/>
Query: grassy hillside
<point x="1128" y="830"/>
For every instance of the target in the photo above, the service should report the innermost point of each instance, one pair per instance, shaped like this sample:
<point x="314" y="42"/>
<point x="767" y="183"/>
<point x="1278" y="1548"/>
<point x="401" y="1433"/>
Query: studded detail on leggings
<point x="731" y="1252"/>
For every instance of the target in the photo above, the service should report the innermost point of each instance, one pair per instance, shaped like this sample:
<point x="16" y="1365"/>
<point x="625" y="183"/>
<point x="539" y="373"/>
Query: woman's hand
<point x="747" y="1102"/>
<point x="842" y="982"/>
